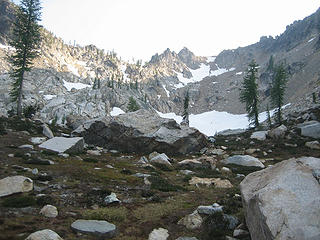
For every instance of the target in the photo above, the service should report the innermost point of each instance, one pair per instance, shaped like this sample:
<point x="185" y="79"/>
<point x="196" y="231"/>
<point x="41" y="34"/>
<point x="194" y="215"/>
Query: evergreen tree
<point x="270" y="67"/>
<point x="185" y="116"/>
<point x="277" y="90"/>
<point x="26" y="41"/>
<point x="133" y="105"/>
<point x="249" y="93"/>
<point x="269" y="122"/>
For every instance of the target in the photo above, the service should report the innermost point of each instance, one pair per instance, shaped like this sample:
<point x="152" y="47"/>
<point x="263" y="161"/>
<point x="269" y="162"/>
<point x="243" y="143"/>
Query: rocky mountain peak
<point x="190" y="59"/>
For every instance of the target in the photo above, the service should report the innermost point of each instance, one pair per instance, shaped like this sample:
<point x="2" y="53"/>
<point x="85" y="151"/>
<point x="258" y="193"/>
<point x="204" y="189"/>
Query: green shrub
<point x="215" y="226"/>
<point x="132" y="105"/>
<point x="30" y="110"/>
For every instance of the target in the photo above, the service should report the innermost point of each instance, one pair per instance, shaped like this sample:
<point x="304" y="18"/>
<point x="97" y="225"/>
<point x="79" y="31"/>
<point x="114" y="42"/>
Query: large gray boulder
<point x="64" y="145"/>
<point x="283" y="202"/>
<point x="15" y="184"/>
<point x="310" y="129"/>
<point x="143" y="131"/>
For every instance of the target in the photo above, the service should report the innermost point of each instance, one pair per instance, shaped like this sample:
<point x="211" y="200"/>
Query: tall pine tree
<point x="26" y="41"/>
<point x="249" y="94"/>
<point x="277" y="90"/>
<point x="185" y="116"/>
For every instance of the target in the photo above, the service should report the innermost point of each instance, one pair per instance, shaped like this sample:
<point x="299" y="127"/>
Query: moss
<point x="19" y="202"/>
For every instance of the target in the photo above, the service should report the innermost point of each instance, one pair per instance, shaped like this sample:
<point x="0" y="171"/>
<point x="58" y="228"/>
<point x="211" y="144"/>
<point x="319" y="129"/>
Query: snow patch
<point x="311" y="40"/>
<point x="7" y="47"/>
<point x="116" y="111"/>
<point x="212" y="122"/>
<point x="73" y="69"/>
<point x="211" y="59"/>
<point x="78" y="86"/>
<point x="49" y="96"/>
<point x="239" y="73"/>
<point x="125" y="75"/>
<point x="167" y="92"/>
<point x="199" y="74"/>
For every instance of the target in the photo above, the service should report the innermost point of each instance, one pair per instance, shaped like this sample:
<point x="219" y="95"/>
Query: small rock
<point x="114" y="151"/>
<point x="11" y="155"/>
<point x="251" y="151"/>
<point x="278" y="132"/>
<point x="225" y="170"/>
<point x="94" y="152"/>
<point x="45" y="234"/>
<point x="143" y="160"/>
<point x="46" y="131"/>
<point x="26" y="146"/>
<point x="102" y="229"/>
<point x="35" y="171"/>
<point x="243" y="160"/>
<point x="259" y="135"/>
<point x="240" y="233"/>
<point x="209" y="210"/>
<point x="161" y="159"/>
<point x="141" y="175"/>
<point x="313" y="145"/>
<point x="109" y="166"/>
<point x="217" y="182"/>
<point x="191" y="221"/>
<point x="112" y="198"/>
<point x="186" y="172"/>
<point x="37" y="140"/>
<point x="49" y="211"/>
<point x="159" y="234"/>
<point x="291" y="145"/>
<point x="64" y="155"/>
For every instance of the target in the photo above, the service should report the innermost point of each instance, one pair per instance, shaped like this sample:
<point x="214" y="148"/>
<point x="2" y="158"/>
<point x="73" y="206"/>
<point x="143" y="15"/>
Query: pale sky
<point x="141" y="28"/>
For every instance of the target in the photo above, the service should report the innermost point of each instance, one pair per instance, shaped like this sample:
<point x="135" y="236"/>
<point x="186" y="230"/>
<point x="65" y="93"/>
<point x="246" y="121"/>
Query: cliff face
<point x="64" y="80"/>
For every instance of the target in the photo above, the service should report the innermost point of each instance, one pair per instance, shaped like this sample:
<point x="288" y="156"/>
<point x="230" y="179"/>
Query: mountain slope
<point x="63" y="80"/>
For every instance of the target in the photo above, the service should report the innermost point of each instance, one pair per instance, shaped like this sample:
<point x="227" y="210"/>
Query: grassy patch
<point x="19" y="202"/>
<point x="114" y="214"/>
<point x="91" y="160"/>
<point x="163" y="185"/>
<point x="162" y="167"/>
<point x="237" y="169"/>
<point x="153" y="212"/>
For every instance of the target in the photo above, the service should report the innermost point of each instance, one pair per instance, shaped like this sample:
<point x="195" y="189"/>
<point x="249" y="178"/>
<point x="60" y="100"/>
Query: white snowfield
<point x="116" y="111"/>
<point x="78" y="86"/>
<point x="200" y="73"/>
<point x="212" y="122"/>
